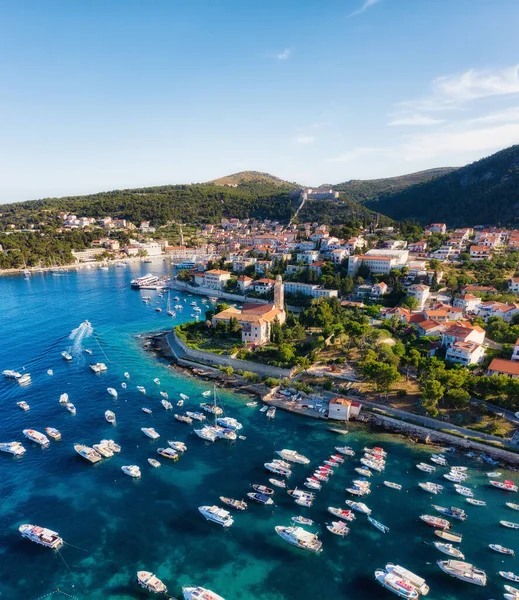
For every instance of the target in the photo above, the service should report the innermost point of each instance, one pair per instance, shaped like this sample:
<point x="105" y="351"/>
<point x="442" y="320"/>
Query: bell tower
<point x="279" y="293"/>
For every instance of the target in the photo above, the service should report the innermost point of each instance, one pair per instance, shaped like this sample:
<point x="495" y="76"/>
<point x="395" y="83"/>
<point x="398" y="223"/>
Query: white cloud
<point x="305" y="140"/>
<point x="356" y="153"/>
<point x="505" y="116"/>
<point x="367" y="4"/>
<point x="415" y="119"/>
<point x="285" y="54"/>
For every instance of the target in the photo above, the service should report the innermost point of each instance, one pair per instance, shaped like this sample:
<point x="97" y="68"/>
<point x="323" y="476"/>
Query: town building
<point x="309" y="289"/>
<point x="502" y="366"/>
<point x="342" y="409"/>
<point x="420" y="293"/>
<point x="215" y="279"/>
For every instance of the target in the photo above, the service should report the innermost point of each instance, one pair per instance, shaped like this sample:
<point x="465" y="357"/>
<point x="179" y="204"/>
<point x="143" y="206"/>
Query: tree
<point x="286" y="353"/>
<point x="410" y="302"/>
<point x="276" y="333"/>
<point x="432" y="393"/>
<point x="458" y="398"/>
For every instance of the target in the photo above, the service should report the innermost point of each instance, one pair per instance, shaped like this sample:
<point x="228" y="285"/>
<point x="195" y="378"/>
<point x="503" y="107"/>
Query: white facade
<point x="309" y="289"/>
<point x="420" y="293"/>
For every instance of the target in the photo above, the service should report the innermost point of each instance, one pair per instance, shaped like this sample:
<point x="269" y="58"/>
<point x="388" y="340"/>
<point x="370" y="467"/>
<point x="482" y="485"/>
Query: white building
<point x="309" y="289"/>
<point x="215" y="279"/>
<point x="401" y="256"/>
<point x="421" y="293"/>
<point x="466" y="353"/>
<point x="342" y="409"/>
<point x="377" y="264"/>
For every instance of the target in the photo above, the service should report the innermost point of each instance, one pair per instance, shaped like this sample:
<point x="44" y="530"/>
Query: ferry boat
<point x="183" y="419"/>
<point x="506" y="485"/>
<point x="216" y="515"/>
<point x="131" y="470"/>
<point x="150" y="432"/>
<point x="66" y="356"/>
<point x="199" y="593"/>
<point x="293" y="456"/>
<point x="397" y="585"/>
<point x="260" y="498"/>
<point x="410" y="577"/>
<point x="98" y="368"/>
<point x="168" y="453"/>
<point x="178" y="446"/>
<point x="14" y="448"/>
<point x="53" y="433"/>
<point x="23" y="405"/>
<point x="449" y="549"/>
<point x="501" y="549"/>
<point x="112" y="391"/>
<point x="237" y="504"/>
<point x="299" y="537"/>
<point x="88" y="453"/>
<point x="41" y="535"/>
<point x="435" y="521"/>
<point x="211" y="408"/>
<point x="464" y="571"/>
<point x="36" y="436"/>
<point x="145" y="281"/>
<point x="150" y="582"/>
<point x="341" y="513"/>
<point x="110" y="417"/>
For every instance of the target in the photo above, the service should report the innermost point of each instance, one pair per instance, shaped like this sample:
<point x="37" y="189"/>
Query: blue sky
<point x="105" y="94"/>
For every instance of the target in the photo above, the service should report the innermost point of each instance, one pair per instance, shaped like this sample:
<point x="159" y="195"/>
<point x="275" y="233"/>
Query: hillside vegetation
<point x="248" y="178"/>
<point x="484" y="192"/>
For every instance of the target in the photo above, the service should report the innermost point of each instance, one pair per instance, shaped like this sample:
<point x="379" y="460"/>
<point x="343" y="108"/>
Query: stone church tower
<point x="279" y="293"/>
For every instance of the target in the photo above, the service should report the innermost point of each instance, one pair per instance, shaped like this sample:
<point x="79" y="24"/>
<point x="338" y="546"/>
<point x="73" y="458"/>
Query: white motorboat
<point x="346" y="450"/>
<point x="510" y="576"/>
<point x="112" y="445"/>
<point x="464" y="491"/>
<point x="87" y="453"/>
<point x="197" y="416"/>
<point x="66" y="356"/>
<point x="453" y="511"/>
<point x="341" y="513"/>
<point x="396" y="584"/>
<point x="501" y="549"/>
<point x="277" y="469"/>
<point x="154" y="463"/>
<point x="141" y="389"/>
<point x="493" y="474"/>
<point x="41" y="535"/>
<point x="103" y="450"/>
<point x="166" y="404"/>
<point x="252" y="403"/>
<point x="463" y="571"/>
<point x="513" y="593"/>
<point x="439" y="460"/>
<point x="509" y="524"/>
<point x="156" y="380"/>
<point x="63" y="399"/>
<point x="293" y="456"/>
<point x="98" y="368"/>
<point x="199" y="593"/>
<point x="164" y="395"/>
<point x="217" y="515"/>
<point x="432" y="488"/>
<point x="206" y="394"/>
<point x="312" y="483"/>
<point x="229" y="423"/>
<point x="475" y="502"/>
<point x="71" y="408"/>
<point x="50" y="372"/>
<point x="10" y="374"/>
<point x="183" y="419"/>
<point x="178" y="446"/>
<point x="359" y="507"/>
<point x="147" y="410"/>
<point x="112" y="391"/>
<point x="37" y="437"/>
<point x="23" y="405"/>
<point x="127" y="375"/>
<point x="14" y="448"/>
<point x="237" y="504"/>
<point x="338" y="528"/>
<point x="260" y="498"/>
<point x="264" y="409"/>
<point x="436" y="522"/>
<point x="180" y="403"/>
<point x="24" y="379"/>
<point x="277" y="482"/>
<point x="449" y="536"/>
<point x="299" y="537"/>
<point x="363" y="471"/>
<point x="449" y="549"/>
<point x="506" y="485"/>
<point x="425" y="467"/>
<point x="393" y="486"/>
<point x="110" y="417"/>
<point x="168" y="453"/>
<point x="512" y="505"/>
<point x="184" y="396"/>
<point x="207" y="433"/>
<point x="53" y="433"/>
<point x="150" y="582"/>
<point x="212" y="408"/>
<point x="150" y="432"/>
<point x="88" y="351"/>
<point x="415" y="580"/>
<point x="271" y="412"/>
<point x="131" y="470"/>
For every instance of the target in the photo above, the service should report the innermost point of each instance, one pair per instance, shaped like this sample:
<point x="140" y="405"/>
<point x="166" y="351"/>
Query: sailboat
<point x="170" y="312"/>
<point x="213" y="432"/>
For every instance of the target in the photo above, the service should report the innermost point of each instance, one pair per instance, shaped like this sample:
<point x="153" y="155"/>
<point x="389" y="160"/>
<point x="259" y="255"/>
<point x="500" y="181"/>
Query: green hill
<point x="484" y="192"/>
<point x="364" y="190"/>
<point x="248" y="178"/>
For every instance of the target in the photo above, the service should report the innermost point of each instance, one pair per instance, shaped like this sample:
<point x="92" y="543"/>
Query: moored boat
<point x="260" y="498"/>
<point x="378" y="525"/>
<point x="88" y="453"/>
<point x="216" y="515"/>
<point x="396" y="584"/>
<point x="71" y="408"/>
<point x="475" y="502"/>
<point x="183" y="419"/>
<point x="512" y="505"/>
<point x="359" y="507"/>
<point x="150" y="582"/>
<point x="110" y="417"/>
<point x="53" y="433"/>
<point x="435" y="521"/>
<point x="150" y="432"/>
<point x="41" y="535"/>
<point x="237" y="504"/>
<point x="463" y="571"/>
<point x="393" y="486"/>
<point x="501" y="549"/>
<point x="23" y="405"/>
<point x="449" y="536"/>
<point x="154" y="463"/>
<point x="262" y="489"/>
<point x="299" y="537"/>
<point x="178" y="446"/>
<point x="37" y="437"/>
<point x="131" y="470"/>
<point x="168" y="453"/>
<point x="14" y="448"/>
<point x="293" y="456"/>
<point x="509" y="524"/>
<point x="509" y="575"/>
<point x="449" y="549"/>
<point x="338" y="528"/>
<point x="409" y="577"/>
<point x="103" y="450"/>
<point x="342" y="513"/>
<point x="199" y="593"/>
<point x="112" y="391"/>
<point x="507" y="486"/>
<point x="277" y="482"/>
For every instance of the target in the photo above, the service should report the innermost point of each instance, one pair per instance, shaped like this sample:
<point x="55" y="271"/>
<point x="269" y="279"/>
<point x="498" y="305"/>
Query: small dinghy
<point x="164" y="395"/>
<point x="184" y="396"/>
<point x="123" y="385"/>
<point x="253" y="403"/>
<point x="127" y="375"/>
<point x="110" y="417"/>
<point x="156" y="380"/>
<point x="207" y="393"/>
<point x="141" y="389"/>
<point x="71" y="408"/>
<point x="112" y="392"/>
<point x="63" y="399"/>
<point x="50" y="372"/>
<point x="148" y="411"/>
<point x="154" y="463"/>
<point x="53" y="433"/>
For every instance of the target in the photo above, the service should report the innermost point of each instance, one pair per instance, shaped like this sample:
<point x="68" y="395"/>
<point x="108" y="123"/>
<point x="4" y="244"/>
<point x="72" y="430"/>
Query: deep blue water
<point x="117" y="525"/>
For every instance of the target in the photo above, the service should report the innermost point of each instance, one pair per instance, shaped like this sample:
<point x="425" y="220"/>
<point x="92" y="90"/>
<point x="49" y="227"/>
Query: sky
<point x="107" y="94"/>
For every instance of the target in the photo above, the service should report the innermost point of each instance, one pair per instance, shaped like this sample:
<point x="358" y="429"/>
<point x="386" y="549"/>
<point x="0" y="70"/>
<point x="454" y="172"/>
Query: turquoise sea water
<point x="117" y="525"/>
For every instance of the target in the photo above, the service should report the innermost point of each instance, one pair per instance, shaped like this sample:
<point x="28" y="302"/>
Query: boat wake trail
<point x="77" y="336"/>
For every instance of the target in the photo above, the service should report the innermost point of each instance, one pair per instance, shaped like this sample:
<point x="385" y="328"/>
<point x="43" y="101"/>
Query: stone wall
<point x="183" y="286"/>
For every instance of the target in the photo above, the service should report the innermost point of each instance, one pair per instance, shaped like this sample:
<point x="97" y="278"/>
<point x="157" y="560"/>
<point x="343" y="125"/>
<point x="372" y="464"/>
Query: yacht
<point x="10" y="374"/>
<point x="103" y="450"/>
<point x="507" y="486"/>
<point x="293" y="456"/>
<point x="112" y="445"/>
<point x="178" y="446"/>
<point x="229" y="423"/>
<point x="359" y="507"/>
<point x="63" y="399"/>
<point x="363" y="471"/>
<point x="168" y="453"/>
<point x="150" y="582"/>
<point x="436" y="522"/>
<point x="260" y="498"/>
<point x="196" y="416"/>
<point x="71" y="408"/>
<point x="131" y="470"/>
<point x="278" y="469"/>
<point x="501" y="549"/>
<point x="341" y="513"/>
<point x="237" y="504"/>
<point x="141" y="389"/>
<point x="183" y="419"/>
<point x="299" y="537"/>
<point x="464" y="571"/>
<point x="15" y="448"/>
<point x="396" y="584"/>
<point x="150" y="432"/>
<point x="110" y="417"/>
<point x="36" y="436"/>
<point x="98" y="368"/>
<point x="199" y="593"/>
<point x="450" y="550"/>
<point x="217" y="515"/>
<point x="23" y="405"/>
<point x="212" y="408"/>
<point x="53" y="433"/>
<point x="41" y="535"/>
<point x="338" y="528"/>
<point x="509" y="575"/>
<point x="154" y="463"/>
<point x="66" y="356"/>
<point x="207" y="433"/>
<point x="112" y="392"/>
<point x="393" y="486"/>
<point x="409" y="577"/>
<point x="89" y="453"/>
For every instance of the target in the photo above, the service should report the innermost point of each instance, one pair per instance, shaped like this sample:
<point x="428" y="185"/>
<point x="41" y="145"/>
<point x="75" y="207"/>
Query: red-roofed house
<point x="513" y="285"/>
<point x="466" y="353"/>
<point x="430" y="328"/>
<point x="498" y="309"/>
<point x="341" y="409"/>
<point x="244" y="282"/>
<point x="501" y="366"/>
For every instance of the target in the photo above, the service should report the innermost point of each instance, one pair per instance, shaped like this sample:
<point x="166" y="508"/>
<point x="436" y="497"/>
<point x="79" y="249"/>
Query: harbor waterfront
<point x="113" y="525"/>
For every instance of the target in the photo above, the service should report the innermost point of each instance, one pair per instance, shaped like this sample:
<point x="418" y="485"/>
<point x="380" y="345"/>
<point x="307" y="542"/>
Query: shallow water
<point x="117" y="525"/>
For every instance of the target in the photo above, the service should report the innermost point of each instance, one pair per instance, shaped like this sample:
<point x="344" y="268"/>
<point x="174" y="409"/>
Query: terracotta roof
<point x="430" y="324"/>
<point x="244" y="278"/>
<point x="501" y="365"/>
<point x="343" y="401"/>
<point x="218" y="272"/>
